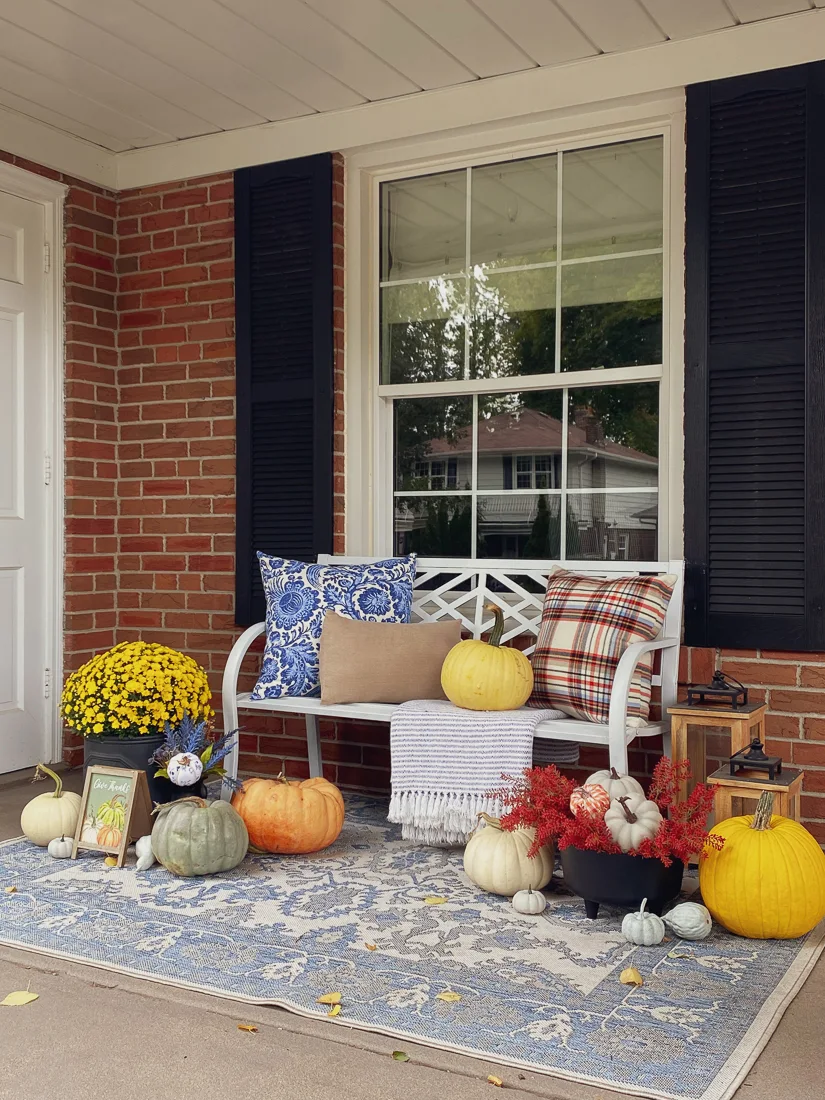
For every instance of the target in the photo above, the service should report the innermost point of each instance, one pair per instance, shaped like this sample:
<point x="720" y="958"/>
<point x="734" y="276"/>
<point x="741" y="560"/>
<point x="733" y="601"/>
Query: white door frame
<point x="50" y="195"/>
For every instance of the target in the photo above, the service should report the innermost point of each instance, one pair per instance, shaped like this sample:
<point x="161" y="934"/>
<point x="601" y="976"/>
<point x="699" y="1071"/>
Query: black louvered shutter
<point x="283" y="291"/>
<point x="755" y="361"/>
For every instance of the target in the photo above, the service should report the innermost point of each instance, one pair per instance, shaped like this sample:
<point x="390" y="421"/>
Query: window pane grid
<point x="604" y="313"/>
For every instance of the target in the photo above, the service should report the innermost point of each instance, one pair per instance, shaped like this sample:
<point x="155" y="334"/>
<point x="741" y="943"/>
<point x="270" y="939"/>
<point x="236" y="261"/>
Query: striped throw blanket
<point x="445" y="759"/>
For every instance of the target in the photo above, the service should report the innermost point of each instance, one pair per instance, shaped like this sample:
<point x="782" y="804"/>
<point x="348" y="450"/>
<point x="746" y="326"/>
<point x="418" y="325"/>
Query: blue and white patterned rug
<point x="536" y="992"/>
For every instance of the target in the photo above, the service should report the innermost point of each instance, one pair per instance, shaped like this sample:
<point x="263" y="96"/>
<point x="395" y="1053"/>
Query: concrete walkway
<point x="92" y="1031"/>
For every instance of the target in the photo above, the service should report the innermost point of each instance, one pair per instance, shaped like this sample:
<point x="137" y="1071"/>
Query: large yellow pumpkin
<point x="480" y="675"/>
<point x="290" y="815"/>
<point x="768" y="881"/>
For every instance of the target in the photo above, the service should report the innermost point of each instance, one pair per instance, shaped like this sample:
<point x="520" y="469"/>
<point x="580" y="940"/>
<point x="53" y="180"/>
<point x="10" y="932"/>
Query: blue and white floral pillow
<point x="297" y="598"/>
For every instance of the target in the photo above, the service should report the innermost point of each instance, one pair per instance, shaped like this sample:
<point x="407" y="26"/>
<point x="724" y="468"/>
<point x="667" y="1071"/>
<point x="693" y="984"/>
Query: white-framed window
<point x="566" y="437"/>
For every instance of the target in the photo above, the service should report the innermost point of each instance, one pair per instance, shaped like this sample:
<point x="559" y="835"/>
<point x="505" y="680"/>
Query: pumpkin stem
<point x="763" y="813"/>
<point x="498" y="625"/>
<point x="494" y="821"/>
<point x="615" y="774"/>
<point x="161" y="806"/>
<point x="642" y="909"/>
<point x="631" y="817"/>
<point x="41" y="771"/>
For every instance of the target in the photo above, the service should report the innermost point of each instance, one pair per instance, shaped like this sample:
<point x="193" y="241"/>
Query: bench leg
<point x="230" y="722"/>
<point x="316" y="768"/>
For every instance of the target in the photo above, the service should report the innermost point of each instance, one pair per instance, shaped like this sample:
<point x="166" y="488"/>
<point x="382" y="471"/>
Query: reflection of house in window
<point x="605" y="520"/>
<point x="437" y="474"/>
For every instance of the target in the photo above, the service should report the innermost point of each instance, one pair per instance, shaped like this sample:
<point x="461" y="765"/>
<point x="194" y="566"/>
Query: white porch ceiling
<point x="130" y="74"/>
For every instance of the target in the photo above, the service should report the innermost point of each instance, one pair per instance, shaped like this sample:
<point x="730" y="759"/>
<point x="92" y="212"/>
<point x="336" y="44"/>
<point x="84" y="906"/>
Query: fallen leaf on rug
<point x="334" y="1011"/>
<point x="400" y="1056"/>
<point x="631" y="976"/>
<point x="247" y="1027"/>
<point x="448" y="995"/>
<point x="11" y="889"/>
<point x="110" y="861"/>
<point x="329" y="999"/>
<point x="434" y="901"/>
<point x="497" y="1081"/>
<point x="371" y="946"/>
<point x="21" y="997"/>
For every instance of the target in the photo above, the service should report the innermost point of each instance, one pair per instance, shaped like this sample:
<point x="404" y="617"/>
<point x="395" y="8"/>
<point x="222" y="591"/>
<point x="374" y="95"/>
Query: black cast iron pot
<point x="602" y="878"/>
<point x="134" y="753"/>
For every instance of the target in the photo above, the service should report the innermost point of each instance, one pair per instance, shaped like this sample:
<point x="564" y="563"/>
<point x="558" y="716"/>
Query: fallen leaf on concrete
<point x="247" y="1027"/>
<point x="334" y="1011"/>
<point x="371" y="946"/>
<point x="11" y="889"/>
<point x="448" y="995"/>
<point x="521" y="1077"/>
<point x="400" y="1056"/>
<point x="21" y="997"/>
<point x="497" y="1081"/>
<point x="434" y="901"/>
<point x="631" y="976"/>
<point x="329" y="999"/>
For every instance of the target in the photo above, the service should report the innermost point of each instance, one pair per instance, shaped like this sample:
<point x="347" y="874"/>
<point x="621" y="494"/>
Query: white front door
<point x="24" y="558"/>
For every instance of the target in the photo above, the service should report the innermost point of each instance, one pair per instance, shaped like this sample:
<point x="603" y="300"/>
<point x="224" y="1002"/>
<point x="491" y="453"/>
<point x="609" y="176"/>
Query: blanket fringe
<point x="442" y="819"/>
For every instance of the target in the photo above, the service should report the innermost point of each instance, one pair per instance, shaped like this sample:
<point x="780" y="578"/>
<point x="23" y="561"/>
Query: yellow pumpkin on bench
<point x="481" y="675"/>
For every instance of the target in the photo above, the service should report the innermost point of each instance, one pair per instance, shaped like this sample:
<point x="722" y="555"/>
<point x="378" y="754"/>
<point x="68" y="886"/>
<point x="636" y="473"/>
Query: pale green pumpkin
<point x="193" y="837"/>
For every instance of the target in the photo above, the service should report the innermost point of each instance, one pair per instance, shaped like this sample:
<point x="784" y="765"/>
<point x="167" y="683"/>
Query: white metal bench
<point x="450" y="588"/>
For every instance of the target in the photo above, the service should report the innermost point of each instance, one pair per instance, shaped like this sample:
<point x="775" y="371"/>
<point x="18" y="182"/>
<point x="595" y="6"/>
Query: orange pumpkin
<point x="591" y="800"/>
<point x="290" y="815"/>
<point x="109" y="836"/>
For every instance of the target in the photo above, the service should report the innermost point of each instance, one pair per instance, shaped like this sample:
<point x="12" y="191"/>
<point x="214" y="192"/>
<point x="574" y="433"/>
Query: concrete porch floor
<point x="151" y="1041"/>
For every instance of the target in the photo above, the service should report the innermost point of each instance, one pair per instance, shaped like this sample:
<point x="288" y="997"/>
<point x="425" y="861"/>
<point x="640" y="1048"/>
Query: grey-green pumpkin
<point x="193" y="837"/>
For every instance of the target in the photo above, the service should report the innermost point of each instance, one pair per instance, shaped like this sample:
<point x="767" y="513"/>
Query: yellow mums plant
<point x="134" y="689"/>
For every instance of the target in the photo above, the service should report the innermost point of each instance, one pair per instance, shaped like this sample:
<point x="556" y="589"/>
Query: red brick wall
<point x="90" y="393"/>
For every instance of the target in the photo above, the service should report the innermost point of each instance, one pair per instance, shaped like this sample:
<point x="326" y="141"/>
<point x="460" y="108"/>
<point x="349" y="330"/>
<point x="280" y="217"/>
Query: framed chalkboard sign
<point x="115" y="810"/>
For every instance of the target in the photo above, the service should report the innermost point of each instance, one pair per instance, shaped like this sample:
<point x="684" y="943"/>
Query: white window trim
<point x="368" y="435"/>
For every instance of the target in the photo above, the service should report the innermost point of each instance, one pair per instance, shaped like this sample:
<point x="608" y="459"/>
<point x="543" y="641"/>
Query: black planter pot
<point x="602" y="878"/>
<point x="134" y="753"/>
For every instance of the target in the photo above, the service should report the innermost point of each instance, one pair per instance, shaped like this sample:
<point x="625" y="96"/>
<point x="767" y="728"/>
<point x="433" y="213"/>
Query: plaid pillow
<point x="586" y="625"/>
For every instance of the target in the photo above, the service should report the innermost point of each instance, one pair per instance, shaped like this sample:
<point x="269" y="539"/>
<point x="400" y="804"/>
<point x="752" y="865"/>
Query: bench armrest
<point x="229" y="693"/>
<point x="617" y="721"/>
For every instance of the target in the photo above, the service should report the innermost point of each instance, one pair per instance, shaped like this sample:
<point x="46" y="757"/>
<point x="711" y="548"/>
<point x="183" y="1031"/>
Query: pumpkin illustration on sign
<point x="768" y="880"/>
<point x="478" y="675"/>
<point x="290" y="816"/>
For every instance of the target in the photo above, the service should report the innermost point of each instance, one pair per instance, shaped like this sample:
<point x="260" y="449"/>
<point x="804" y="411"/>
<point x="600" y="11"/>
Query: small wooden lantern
<point x="738" y="794"/>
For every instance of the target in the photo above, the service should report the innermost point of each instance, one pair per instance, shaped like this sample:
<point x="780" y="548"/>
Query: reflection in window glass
<point x="433" y="443"/>
<point x="612" y="199"/>
<point x="613" y="437"/>
<point x="422" y="331"/>
<point x="423" y="226"/>
<point x="514" y="323"/>
<point x="520" y="441"/>
<point x="433" y="526"/>
<point x="611" y="313"/>
<point x="519" y="526"/>
<point x="513" y="216"/>
<point x="613" y="527"/>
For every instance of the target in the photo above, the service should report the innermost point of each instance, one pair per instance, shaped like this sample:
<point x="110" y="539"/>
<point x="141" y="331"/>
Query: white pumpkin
<point x="632" y="820"/>
<point x="529" y="902"/>
<point x="184" y="769"/>
<point x="643" y="929"/>
<point x="50" y="815"/>
<point x="144" y="853"/>
<point x="61" y="847"/>
<point x="616" y="785"/>
<point x="690" y="921"/>
<point x="497" y="860"/>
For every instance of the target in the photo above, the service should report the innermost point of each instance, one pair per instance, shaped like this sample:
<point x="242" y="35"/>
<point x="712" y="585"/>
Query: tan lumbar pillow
<point x="383" y="662"/>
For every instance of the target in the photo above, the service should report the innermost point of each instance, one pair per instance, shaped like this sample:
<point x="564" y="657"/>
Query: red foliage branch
<point x="540" y="799"/>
